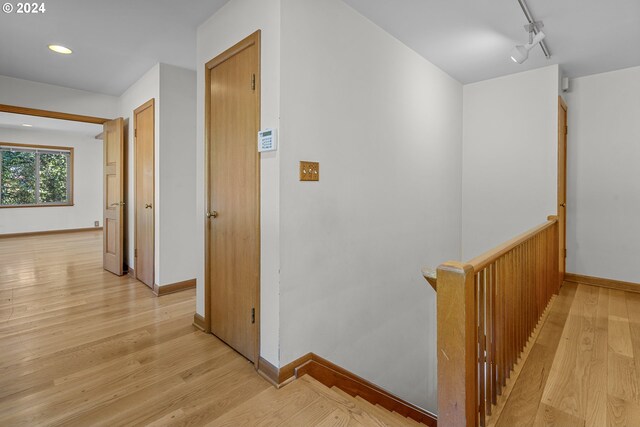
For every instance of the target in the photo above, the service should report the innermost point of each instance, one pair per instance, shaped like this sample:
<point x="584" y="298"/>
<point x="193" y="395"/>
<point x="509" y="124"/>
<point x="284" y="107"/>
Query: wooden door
<point x="144" y="123"/>
<point x="562" y="183"/>
<point x="113" y="195"/>
<point x="233" y="196"/>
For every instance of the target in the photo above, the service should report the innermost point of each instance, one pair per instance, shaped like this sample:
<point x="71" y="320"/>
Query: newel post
<point x="457" y="346"/>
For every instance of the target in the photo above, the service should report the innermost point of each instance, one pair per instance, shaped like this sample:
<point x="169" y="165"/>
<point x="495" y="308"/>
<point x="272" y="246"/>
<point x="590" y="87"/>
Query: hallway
<point x="583" y="369"/>
<point x="80" y="346"/>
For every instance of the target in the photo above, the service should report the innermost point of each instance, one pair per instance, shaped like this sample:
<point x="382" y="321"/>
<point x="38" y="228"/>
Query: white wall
<point x="146" y="88"/>
<point x="174" y="142"/>
<point x="603" y="197"/>
<point x="510" y="147"/>
<point x="385" y="125"/>
<point x="176" y="230"/>
<point x="173" y="89"/>
<point x="30" y="94"/>
<point x="87" y="188"/>
<point x="232" y="23"/>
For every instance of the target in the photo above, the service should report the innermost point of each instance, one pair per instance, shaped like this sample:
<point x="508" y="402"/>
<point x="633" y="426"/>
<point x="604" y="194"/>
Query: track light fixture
<point x="520" y="53"/>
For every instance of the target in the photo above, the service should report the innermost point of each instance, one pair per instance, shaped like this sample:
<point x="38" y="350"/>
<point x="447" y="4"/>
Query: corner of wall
<point x="509" y="156"/>
<point x="144" y="89"/>
<point x="176" y="174"/>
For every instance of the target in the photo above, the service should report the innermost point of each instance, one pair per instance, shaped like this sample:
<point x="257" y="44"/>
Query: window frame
<point x="43" y="148"/>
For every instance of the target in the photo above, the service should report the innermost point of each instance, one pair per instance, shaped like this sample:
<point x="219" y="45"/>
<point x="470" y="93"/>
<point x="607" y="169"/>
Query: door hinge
<point x="135" y="253"/>
<point x="565" y="252"/>
<point x="135" y="133"/>
<point x="253" y="82"/>
<point x="253" y="315"/>
<point x="566" y="130"/>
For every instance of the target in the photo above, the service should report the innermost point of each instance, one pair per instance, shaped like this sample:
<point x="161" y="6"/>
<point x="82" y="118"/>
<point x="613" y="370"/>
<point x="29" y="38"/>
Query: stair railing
<point x="487" y="310"/>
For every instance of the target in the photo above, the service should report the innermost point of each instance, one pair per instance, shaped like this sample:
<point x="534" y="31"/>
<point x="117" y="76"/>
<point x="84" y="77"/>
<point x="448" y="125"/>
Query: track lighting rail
<point x="532" y="22"/>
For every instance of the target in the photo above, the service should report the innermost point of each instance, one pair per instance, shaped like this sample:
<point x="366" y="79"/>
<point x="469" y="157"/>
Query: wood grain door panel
<point x="234" y="194"/>
<point x="113" y="195"/>
<point x="144" y="124"/>
<point x="562" y="183"/>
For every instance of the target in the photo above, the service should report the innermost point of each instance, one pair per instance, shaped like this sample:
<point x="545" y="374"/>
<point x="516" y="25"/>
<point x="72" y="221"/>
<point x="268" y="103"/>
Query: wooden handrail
<point x="487" y="310"/>
<point x="456" y="341"/>
<point x="431" y="276"/>
<point x="481" y="261"/>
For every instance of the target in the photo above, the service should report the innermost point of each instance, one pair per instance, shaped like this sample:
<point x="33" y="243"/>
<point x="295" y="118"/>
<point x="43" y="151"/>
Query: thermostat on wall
<point x="267" y="140"/>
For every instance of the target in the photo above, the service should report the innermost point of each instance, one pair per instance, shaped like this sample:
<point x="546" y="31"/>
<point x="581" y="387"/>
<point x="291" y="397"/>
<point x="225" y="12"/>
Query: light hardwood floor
<point x="584" y="368"/>
<point x="82" y="347"/>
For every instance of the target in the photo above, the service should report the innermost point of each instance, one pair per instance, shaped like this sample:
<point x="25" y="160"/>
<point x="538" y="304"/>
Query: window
<point x="35" y="175"/>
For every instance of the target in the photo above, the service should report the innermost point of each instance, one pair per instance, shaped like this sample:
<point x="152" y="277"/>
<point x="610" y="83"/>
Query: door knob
<point x="564" y="205"/>
<point x="147" y="206"/>
<point x="213" y="214"/>
<point x="117" y="204"/>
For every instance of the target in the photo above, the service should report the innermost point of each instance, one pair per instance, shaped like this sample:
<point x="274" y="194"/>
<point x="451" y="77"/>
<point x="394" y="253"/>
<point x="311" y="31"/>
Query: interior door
<point x="144" y="123"/>
<point x="562" y="183"/>
<point x="233" y="199"/>
<point x="113" y="196"/>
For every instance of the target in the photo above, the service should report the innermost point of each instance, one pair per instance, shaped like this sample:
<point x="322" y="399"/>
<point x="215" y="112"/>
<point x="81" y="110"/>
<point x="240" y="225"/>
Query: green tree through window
<point x="30" y="176"/>
<point x="18" y="178"/>
<point x="53" y="178"/>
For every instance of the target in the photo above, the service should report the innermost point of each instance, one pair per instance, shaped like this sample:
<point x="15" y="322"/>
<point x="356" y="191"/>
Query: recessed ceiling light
<point x="60" y="49"/>
<point x="26" y="125"/>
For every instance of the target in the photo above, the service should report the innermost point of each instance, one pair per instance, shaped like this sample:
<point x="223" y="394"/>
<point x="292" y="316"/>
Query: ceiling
<point x="471" y="39"/>
<point x="114" y="41"/>
<point x="15" y="121"/>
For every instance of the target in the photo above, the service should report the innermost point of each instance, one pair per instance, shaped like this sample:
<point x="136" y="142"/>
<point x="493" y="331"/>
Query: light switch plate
<point x="309" y="171"/>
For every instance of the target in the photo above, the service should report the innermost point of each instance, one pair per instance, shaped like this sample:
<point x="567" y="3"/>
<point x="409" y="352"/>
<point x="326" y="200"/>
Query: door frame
<point x="562" y="180"/>
<point x="253" y="39"/>
<point x="150" y="103"/>
<point x="28" y="111"/>
<point x="52" y="114"/>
